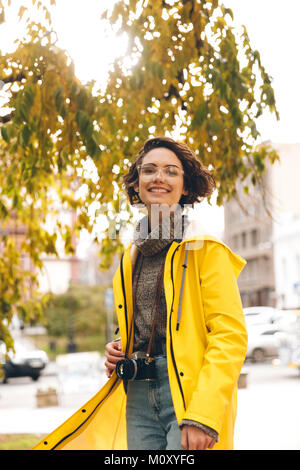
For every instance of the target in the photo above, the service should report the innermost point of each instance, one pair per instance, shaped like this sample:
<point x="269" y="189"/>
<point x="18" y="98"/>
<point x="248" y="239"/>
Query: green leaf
<point x="214" y="126"/>
<point x="4" y="133"/>
<point x="59" y="98"/>
<point x="84" y="123"/>
<point x="200" y="116"/>
<point x="28" y="95"/>
<point x="26" y="135"/>
<point x="3" y="211"/>
<point x="111" y="122"/>
<point x="258" y="160"/>
<point x="15" y="202"/>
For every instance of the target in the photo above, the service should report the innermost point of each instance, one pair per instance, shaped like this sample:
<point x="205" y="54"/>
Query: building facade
<point x="249" y="234"/>
<point x="286" y="227"/>
<point x="267" y="233"/>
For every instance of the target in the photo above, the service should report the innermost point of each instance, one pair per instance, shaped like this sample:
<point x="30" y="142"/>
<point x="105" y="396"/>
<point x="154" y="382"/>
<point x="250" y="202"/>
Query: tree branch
<point x="6" y="118"/>
<point x="12" y="79"/>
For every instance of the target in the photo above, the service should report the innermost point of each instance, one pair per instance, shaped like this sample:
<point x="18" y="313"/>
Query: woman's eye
<point x="172" y="172"/>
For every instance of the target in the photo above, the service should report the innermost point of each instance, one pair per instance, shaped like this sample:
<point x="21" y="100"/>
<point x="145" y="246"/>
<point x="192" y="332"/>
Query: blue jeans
<point x="150" y="416"/>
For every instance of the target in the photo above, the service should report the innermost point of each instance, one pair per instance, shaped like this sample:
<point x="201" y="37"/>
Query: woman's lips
<point x="158" y="190"/>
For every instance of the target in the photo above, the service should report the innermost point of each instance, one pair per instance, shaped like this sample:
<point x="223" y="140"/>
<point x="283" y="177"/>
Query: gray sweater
<point x="153" y="246"/>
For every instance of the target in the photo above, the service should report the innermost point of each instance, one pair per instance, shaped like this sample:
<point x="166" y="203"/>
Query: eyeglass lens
<point x="151" y="171"/>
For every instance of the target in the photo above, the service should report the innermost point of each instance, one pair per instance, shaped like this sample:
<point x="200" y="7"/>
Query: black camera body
<point x="136" y="368"/>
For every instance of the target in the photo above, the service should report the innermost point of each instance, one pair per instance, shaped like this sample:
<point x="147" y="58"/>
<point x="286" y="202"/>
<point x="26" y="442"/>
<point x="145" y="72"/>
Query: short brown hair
<point x="197" y="179"/>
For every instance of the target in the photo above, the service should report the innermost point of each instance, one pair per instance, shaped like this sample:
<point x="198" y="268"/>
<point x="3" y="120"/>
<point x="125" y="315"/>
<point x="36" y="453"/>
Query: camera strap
<point x="158" y="289"/>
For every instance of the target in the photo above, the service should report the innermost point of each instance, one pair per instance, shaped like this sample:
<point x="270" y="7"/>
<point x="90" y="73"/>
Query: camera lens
<point x="126" y="369"/>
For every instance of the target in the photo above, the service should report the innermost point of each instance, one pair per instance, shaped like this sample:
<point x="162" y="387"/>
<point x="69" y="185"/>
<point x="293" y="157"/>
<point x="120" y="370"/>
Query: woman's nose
<point x="159" y="175"/>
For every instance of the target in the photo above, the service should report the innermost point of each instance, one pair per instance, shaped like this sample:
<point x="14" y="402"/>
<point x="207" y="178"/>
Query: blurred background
<point x="62" y="209"/>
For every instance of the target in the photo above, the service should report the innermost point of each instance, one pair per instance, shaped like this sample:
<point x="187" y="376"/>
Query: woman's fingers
<point x="113" y="355"/>
<point x="193" y="438"/>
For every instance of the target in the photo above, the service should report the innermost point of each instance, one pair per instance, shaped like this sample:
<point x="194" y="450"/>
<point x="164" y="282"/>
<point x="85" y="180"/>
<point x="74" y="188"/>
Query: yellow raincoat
<point x="206" y="347"/>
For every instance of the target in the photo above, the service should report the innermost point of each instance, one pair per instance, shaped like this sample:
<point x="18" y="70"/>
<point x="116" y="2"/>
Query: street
<point x="268" y="408"/>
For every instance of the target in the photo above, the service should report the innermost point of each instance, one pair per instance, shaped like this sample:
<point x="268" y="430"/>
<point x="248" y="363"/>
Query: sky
<point x="272" y="27"/>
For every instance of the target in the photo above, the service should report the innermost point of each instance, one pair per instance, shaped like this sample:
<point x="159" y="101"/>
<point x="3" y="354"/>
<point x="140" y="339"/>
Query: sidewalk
<point x="257" y="427"/>
<point x="23" y="415"/>
<point x="268" y="415"/>
<point x="33" y="421"/>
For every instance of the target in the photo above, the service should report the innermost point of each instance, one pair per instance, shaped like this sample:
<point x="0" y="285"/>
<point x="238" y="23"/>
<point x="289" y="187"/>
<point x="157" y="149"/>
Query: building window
<point x="235" y="241"/>
<point x="267" y="265"/>
<point x="244" y="239"/>
<point x="254" y="237"/>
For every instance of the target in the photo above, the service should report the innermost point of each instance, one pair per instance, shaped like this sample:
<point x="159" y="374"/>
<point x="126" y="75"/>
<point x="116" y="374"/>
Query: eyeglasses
<point x="150" y="171"/>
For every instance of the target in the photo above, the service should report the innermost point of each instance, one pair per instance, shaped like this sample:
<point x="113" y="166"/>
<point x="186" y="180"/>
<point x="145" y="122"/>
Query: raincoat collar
<point x="193" y="237"/>
<point x="194" y="232"/>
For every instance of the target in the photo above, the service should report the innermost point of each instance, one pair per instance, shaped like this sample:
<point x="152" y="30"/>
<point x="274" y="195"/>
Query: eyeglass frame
<point x="158" y="168"/>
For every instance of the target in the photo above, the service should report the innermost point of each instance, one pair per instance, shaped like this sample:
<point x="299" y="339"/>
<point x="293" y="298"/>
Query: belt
<point x="147" y="372"/>
<point x="143" y="370"/>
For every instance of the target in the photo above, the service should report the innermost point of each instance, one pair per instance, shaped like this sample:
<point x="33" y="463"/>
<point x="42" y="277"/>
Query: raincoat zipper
<point x="170" y="330"/>
<point x="125" y="302"/>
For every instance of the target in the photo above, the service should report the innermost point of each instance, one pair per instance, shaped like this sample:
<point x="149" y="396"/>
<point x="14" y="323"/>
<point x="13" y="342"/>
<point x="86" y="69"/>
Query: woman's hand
<point x="113" y="355"/>
<point x="193" y="438"/>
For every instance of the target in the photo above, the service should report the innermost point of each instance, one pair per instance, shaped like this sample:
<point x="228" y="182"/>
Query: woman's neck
<point x="163" y="212"/>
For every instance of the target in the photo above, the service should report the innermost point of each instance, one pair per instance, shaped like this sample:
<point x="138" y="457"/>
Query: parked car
<point x="289" y="347"/>
<point x="26" y="361"/>
<point x="263" y="342"/>
<point x="261" y="315"/>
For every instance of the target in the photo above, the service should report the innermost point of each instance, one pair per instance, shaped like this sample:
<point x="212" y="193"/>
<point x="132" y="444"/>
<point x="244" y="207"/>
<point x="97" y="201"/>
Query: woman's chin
<point x="158" y="198"/>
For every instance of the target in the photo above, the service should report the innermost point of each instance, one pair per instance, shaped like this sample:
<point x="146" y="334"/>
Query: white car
<point x="263" y="342"/>
<point x="261" y="315"/>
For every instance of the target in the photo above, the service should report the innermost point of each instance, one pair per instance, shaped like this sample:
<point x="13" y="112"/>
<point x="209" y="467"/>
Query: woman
<point x="179" y="312"/>
<point x="166" y="173"/>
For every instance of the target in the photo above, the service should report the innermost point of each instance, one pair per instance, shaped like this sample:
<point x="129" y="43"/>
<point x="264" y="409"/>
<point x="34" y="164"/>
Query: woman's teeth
<point x="158" y="190"/>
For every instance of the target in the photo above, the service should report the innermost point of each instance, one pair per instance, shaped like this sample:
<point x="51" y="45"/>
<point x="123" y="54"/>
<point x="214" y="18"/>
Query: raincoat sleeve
<point x="226" y="336"/>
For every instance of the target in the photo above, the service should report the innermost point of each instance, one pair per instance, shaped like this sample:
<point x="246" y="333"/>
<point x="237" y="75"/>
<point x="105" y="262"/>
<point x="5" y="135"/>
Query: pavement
<point x="268" y="412"/>
<point x="34" y="420"/>
<point x="268" y="415"/>
<point x="18" y="406"/>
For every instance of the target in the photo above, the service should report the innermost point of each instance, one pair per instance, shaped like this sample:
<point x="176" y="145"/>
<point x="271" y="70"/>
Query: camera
<point x="136" y="368"/>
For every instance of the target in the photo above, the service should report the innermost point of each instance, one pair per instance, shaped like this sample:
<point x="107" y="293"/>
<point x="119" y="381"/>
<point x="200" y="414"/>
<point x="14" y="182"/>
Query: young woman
<point x="173" y="373"/>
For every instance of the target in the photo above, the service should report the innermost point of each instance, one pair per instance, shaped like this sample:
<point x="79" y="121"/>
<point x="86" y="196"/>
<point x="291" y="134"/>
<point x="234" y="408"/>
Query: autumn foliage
<point x="188" y="72"/>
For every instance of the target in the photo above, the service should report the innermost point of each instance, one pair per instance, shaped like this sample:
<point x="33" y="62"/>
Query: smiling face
<point x="161" y="188"/>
